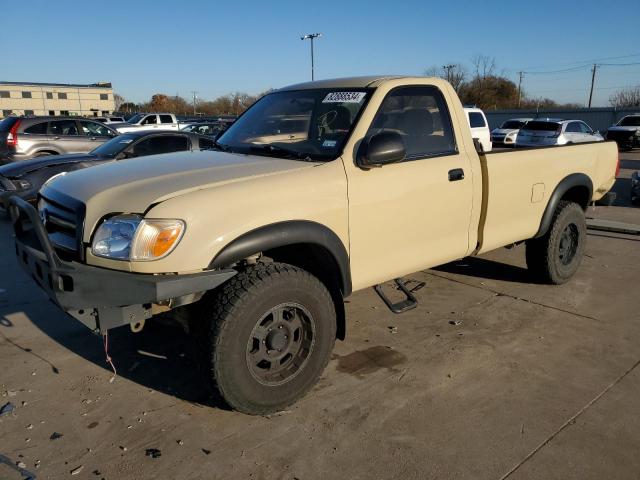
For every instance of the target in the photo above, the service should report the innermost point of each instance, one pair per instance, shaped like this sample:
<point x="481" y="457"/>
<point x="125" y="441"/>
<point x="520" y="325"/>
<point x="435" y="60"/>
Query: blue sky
<point x="145" y="47"/>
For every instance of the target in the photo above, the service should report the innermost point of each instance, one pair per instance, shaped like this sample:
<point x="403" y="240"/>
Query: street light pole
<point x="311" y="36"/>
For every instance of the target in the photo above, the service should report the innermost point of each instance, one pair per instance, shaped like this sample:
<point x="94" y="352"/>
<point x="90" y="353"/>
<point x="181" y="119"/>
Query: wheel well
<point x="579" y="194"/>
<point x="48" y="152"/>
<point x="321" y="263"/>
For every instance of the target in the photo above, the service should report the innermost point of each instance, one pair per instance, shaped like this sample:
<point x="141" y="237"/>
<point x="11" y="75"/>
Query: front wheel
<point x="555" y="257"/>
<point x="267" y="335"/>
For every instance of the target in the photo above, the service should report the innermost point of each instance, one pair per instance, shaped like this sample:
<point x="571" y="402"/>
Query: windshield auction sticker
<point x="344" y="97"/>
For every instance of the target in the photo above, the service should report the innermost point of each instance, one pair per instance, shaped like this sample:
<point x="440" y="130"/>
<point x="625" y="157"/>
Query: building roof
<point x="75" y="85"/>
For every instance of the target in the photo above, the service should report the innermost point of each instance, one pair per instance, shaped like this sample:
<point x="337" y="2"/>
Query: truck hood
<point x="138" y="183"/>
<point x="18" y="169"/>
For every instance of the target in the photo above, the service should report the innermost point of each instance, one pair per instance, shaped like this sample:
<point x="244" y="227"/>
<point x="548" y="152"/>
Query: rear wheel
<point x="555" y="257"/>
<point x="266" y="336"/>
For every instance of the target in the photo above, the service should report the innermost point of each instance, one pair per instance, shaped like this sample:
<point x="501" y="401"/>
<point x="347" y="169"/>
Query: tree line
<point x="485" y="88"/>
<point x="481" y="85"/>
<point x="230" y="104"/>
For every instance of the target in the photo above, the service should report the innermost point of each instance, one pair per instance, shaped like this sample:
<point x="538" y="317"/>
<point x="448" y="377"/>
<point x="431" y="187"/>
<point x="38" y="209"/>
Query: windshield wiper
<point x="276" y="149"/>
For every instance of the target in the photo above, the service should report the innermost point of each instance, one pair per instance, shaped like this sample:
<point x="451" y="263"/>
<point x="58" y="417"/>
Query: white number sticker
<point x="344" y="97"/>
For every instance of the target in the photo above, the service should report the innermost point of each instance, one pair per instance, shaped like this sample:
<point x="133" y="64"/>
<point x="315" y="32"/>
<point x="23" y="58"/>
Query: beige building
<point x="25" y="98"/>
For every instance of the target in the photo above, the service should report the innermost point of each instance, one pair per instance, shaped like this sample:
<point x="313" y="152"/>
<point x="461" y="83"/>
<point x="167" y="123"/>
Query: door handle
<point x="456" y="174"/>
<point x="56" y="138"/>
<point x="93" y="138"/>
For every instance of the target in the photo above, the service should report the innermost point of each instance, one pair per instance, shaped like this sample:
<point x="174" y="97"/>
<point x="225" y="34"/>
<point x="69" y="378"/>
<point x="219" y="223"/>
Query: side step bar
<point x="409" y="303"/>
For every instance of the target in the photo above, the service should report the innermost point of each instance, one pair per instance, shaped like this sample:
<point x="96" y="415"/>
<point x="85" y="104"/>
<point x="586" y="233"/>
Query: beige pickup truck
<point x="318" y="190"/>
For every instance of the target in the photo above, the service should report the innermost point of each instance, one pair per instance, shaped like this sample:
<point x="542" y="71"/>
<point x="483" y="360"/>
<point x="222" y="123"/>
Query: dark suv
<point x="22" y="138"/>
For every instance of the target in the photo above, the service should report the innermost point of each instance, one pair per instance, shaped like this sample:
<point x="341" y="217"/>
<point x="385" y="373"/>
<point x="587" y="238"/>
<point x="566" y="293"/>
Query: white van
<point x="479" y="127"/>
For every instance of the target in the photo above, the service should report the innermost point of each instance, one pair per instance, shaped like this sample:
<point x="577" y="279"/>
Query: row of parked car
<point x="530" y="132"/>
<point x="35" y="149"/>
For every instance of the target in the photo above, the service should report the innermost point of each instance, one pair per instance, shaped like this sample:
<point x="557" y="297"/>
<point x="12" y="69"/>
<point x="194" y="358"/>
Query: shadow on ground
<point x="161" y="357"/>
<point x="484" y="268"/>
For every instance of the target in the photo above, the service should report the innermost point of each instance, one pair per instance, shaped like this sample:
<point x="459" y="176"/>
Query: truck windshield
<point x="114" y="146"/>
<point x="136" y="118"/>
<point x="630" y="122"/>
<point x="309" y="124"/>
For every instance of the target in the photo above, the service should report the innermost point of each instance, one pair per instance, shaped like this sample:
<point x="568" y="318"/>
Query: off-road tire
<point x="545" y="259"/>
<point x="225" y="319"/>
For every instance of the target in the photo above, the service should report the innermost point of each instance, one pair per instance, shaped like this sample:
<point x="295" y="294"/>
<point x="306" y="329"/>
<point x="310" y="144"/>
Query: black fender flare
<point x="567" y="183"/>
<point x="285" y="233"/>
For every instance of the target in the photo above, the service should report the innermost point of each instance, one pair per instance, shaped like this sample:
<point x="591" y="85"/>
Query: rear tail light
<point x="618" y="166"/>
<point x="12" y="137"/>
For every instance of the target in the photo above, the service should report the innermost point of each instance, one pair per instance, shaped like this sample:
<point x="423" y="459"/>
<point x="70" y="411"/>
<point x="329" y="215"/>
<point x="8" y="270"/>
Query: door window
<point x="585" y="128"/>
<point x="161" y="144"/>
<point x="150" y="120"/>
<point x="420" y="115"/>
<point x="37" y="129"/>
<point x="64" y="127"/>
<point x="166" y="119"/>
<point x="476" y="120"/>
<point x="573" y="127"/>
<point x="94" y="129"/>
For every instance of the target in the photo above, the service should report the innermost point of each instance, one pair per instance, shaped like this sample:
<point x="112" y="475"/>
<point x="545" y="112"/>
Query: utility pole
<point x="311" y="36"/>
<point x="194" y="101"/>
<point x="593" y="80"/>
<point x="520" y="77"/>
<point x="448" y="68"/>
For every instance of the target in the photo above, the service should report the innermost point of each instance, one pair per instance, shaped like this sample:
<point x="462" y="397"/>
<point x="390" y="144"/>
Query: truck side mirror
<point x="381" y="149"/>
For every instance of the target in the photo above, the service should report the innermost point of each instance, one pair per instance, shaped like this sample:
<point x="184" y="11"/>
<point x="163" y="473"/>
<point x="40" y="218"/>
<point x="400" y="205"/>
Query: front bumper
<point x="99" y="298"/>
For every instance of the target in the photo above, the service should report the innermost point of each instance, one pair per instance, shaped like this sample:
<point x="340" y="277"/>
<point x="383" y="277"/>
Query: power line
<point x="587" y="62"/>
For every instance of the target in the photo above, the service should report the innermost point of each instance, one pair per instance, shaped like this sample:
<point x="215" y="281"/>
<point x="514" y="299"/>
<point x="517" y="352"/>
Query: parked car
<point x="550" y="131"/>
<point x="635" y="188"/>
<point x="22" y="138"/>
<point x="479" y="127"/>
<point x="24" y="179"/>
<point x="211" y="129"/>
<point x="266" y="239"/>
<point x="148" y="121"/>
<point x="109" y="119"/>
<point x="505" y="135"/>
<point x="626" y="133"/>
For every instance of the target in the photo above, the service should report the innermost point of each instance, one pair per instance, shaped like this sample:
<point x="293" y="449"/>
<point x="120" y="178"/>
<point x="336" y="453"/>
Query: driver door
<point x="414" y="214"/>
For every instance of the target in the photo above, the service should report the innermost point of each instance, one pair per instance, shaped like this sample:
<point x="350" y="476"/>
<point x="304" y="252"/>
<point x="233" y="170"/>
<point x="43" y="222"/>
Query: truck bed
<point x="517" y="186"/>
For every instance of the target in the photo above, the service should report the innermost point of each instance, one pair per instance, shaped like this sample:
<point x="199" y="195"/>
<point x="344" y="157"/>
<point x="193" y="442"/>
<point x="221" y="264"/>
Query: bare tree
<point x="454" y="73"/>
<point x="118" y="100"/>
<point x="628" y="97"/>
<point x="483" y="66"/>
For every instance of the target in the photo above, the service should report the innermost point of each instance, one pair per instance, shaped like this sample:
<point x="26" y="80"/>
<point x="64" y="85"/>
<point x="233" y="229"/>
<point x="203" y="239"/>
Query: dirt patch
<point x="364" y="362"/>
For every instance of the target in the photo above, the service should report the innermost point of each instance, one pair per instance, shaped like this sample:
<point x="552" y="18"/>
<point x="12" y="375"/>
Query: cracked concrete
<point x="530" y="381"/>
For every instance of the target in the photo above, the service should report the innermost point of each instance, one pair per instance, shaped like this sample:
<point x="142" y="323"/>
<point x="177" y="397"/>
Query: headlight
<point x="131" y="237"/>
<point x="637" y="134"/>
<point x="22" y="184"/>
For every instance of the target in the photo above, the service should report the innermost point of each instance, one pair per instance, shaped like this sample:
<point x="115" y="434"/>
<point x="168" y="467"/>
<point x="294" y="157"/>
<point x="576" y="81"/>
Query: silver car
<point x="546" y="132"/>
<point x="22" y="138"/>
<point x="505" y="135"/>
